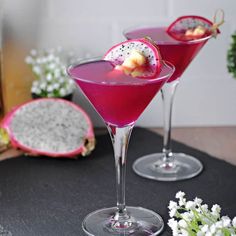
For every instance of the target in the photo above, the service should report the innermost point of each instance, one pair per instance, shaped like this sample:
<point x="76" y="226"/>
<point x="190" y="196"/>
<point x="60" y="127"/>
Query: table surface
<point x="42" y="196"/>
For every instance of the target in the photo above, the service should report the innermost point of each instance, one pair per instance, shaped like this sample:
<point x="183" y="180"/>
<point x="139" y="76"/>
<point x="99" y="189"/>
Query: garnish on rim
<point x="138" y="58"/>
<point x="186" y="28"/>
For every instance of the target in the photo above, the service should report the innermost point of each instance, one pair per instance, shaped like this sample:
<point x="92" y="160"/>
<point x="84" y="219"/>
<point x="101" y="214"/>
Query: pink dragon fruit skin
<point x="85" y="148"/>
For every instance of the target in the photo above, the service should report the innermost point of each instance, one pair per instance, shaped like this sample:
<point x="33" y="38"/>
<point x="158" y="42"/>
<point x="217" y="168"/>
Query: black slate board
<point x="41" y="196"/>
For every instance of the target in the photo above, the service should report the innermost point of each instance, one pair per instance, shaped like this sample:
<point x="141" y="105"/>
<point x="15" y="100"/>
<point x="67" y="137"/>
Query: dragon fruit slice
<point x="50" y="126"/>
<point x="186" y="28"/>
<point x="139" y="58"/>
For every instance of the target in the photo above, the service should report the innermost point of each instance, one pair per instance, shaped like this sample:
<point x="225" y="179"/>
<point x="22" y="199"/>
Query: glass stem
<point x="120" y="140"/>
<point x="168" y="92"/>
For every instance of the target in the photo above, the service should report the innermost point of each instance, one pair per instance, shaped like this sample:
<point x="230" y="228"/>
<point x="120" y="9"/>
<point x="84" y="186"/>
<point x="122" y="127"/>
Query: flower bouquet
<point x="49" y="69"/>
<point x="193" y="218"/>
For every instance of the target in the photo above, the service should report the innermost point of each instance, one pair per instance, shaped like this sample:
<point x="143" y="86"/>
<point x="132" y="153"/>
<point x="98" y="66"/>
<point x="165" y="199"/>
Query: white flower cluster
<point x="50" y="70"/>
<point x="193" y="218"/>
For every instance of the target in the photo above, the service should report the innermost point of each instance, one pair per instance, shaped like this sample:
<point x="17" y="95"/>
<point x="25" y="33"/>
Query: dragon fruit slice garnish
<point x="51" y="127"/>
<point x="138" y="58"/>
<point x="187" y="28"/>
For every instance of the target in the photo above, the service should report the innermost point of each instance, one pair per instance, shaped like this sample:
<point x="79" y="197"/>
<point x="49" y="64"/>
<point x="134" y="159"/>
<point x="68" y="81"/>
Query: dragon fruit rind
<point x="51" y="127"/>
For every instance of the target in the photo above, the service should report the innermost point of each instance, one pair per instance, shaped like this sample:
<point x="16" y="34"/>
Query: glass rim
<point x="154" y="25"/>
<point x="139" y="81"/>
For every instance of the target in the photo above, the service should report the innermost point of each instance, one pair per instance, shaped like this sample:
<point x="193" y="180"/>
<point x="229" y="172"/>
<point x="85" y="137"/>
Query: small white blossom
<point x="172" y="212"/>
<point x="182" y="201"/>
<point x="204" y="207"/>
<point x="33" y="52"/>
<point x="35" y="90"/>
<point x="43" y="86"/>
<point x="198" y="201"/>
<point x="194" y="218"/>
<point x="190" y="205"/>
<point x="49" y="77"/>
<point x="215" y="209"/>
<point x="50" y="71"/>
<point x="52" y="66"/>
<point x="205" y="228"/>
<point x="234" y="222"/>
<point x="172" y="205"/>
<point x="56" y="86"/>
<point x="35" y="83"/>
<point x="182" y="223"/>
<point x="29" y="60"/>
<point x="37" y="70"/>
<point x="50" y="88"/>
<point x="62" y="92"/>
<point x="226" y="221"/>
<point x="180" y="194"/>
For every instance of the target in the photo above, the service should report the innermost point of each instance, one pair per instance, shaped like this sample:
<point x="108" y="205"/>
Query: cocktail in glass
<point x="116" y="97"/>
<point x="169" y="166"/>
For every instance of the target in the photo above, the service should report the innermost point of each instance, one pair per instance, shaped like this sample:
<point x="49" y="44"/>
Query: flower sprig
<point x="49" y="68"/>
<point x="193" y="218"/>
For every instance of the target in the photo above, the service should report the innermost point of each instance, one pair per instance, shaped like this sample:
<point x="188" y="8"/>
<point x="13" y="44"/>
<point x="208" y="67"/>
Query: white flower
<point x="226" y="221"/>
<point x="50" y="88"/>
<point x="190" y="205"/>
<point x="182" y="201"/>
<point x="184" y="232"/>
<point x="49" y="77"/>
<point x="62" y="92"/>
<point x="198" y="201"/>
<point x="173" y="224"/>
<point x="213" y="228"/>
<point x="33" y="52"/>
<point x="219" y="233"/>
<point x="204" y="207"/>
<point x="172" y="212"/>
<point x="188" y="216"/>
<point x="50" y="57"/>
<point x="43" y="85"/>
<point x="180" y="194"/>
<point x="172" y="205"/>
<point x="29" y="60"/>
<point x="57" y="73"/>
<point x="37" y="70"/>
<point x="219" y="224"/>
<point x="35" y="90"/>
<point x="215" y="209"/>
<point x="183" y="224"/>
<point x="199" y="233"/>
<point x="205" y="228"/>
<point x="234" y="222"/>
<point x="52" y="66"/>
<point x="35" y="83"/>
<point x="56" y="86"/>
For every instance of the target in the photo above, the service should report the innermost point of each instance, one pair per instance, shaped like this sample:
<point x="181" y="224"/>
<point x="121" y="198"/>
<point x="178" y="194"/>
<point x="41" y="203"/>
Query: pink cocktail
<point x="180" y="54"/>
<point x="169" y="166"/>
<point x="119" y="99"/>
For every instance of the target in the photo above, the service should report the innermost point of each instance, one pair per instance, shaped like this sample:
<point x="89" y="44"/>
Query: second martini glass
<point x="116" y="97"/>
<point x="169" y="166"/>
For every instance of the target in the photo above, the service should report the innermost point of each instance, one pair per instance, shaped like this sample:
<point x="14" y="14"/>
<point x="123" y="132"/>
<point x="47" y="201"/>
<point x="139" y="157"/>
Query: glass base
<point x="152" y="167"/>
<point x="138" y="221"/>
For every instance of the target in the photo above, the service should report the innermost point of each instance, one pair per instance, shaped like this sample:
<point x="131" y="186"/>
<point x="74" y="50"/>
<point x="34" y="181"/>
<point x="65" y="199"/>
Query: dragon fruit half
<point x="50" y="126"/>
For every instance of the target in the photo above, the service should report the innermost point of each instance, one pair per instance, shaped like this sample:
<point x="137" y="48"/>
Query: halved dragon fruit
<point x="138" y="58"/>
<point x="50" y="126"/>
<point x="186" y="28"/>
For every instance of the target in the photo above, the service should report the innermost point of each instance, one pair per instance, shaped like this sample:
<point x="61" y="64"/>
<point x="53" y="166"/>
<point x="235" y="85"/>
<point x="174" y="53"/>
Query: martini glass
<point x="169" y="166"/>
<point x="116" y="98"/>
